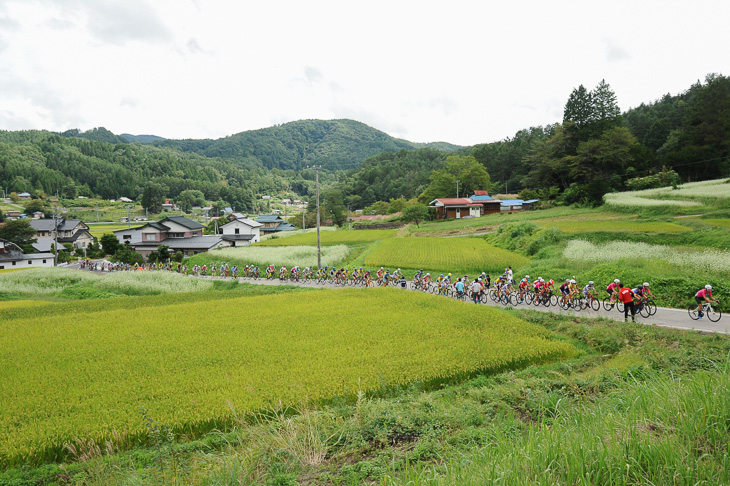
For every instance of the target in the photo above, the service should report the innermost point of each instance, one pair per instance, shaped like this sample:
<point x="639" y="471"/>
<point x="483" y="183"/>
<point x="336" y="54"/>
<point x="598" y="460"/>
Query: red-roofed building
<point x="456" y="208"/>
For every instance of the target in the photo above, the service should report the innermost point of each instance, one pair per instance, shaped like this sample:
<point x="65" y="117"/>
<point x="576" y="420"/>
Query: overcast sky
<point x="462" y="72"/>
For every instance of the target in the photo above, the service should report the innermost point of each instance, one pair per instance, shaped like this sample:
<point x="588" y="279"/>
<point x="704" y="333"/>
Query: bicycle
<point x="712" y="313"/>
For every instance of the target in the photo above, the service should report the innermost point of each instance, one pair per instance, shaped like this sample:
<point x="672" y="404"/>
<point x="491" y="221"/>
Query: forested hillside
<point x="333" y="144"/>
<point x="596" y="149"/>
<point x="70" y="166"/>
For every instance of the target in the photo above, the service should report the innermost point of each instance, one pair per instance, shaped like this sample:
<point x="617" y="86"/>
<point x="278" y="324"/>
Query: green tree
<point x="33" y="206"/>
<point x="579" y="107"/>
<point x="153" y="197"/>
<point x="161" y="254"/>
<point x="334" y="207"/>
<point x="19" y="232"/>
<point x="70" y="191"/>
<point x="126" y="254"/>
<point x="415" y="213"/>
<point x="472" y="176"/>
<point x="189" y="198"/>
<point x="109" y="243"/>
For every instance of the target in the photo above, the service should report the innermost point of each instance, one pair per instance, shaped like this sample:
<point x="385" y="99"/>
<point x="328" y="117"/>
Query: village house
<point x="72" y="232"/>
<point x="456" y="208"/>
<point x="242" y="232"/>
<point x="24" y="195"/>
<point x="11" y="256"/>
<point x="273" y="223"/>
<point x="490" y="204"/>
<point x="178" y="233"/>
<point x="13" y="215"/>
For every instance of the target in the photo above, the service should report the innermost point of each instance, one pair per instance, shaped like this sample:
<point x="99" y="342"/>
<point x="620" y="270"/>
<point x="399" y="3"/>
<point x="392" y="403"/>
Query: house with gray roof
<point x="73" y="233"/>
<point x="11" y="256"/>
<point x="242" y="232"/>
<point x="175" y="232"/>
<point x="273" y="223"/>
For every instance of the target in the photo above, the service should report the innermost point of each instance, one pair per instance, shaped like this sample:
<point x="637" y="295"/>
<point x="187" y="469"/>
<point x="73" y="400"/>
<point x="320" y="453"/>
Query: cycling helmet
<point x="428" y="274"/>
<point x="646" y="284"/>
<point x="572" y="281"/>
<point x="617" y="281"/>
<point x="590" y="283"/>
<point x="708" y="287"/>
<point x="541" y="280"/>
<point x="527" y="276"/>
<point x="442" y="274"/>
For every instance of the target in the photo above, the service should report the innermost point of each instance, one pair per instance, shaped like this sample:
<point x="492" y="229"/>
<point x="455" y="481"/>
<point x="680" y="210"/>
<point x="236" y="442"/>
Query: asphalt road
<point x="665" y="317"/>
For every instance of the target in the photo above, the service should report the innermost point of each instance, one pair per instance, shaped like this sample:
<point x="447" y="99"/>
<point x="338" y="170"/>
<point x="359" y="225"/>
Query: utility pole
<point x="319" y="242"/>
<point x="304" y="223"/>
<point x="129" y="216"/>
<point x="457" y="188"/>
<point x="55" y="236"/>
<point x="348" y="217"/>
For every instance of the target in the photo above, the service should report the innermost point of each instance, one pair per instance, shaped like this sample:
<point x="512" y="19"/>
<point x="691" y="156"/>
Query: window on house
<point x="2" y="267"/>
<point x="30" y="262"/>
<point x="126" y="237"/>
<point x="44" y="261"/>
<point x="14" y="263"/>
<point x="237" y="231"/>
<point x="149" y="237"/>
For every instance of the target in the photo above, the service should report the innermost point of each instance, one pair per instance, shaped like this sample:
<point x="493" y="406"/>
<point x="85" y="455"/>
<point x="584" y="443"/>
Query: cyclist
<point x="704" y="295"/>
<point x="565" y="290"/>
<point x="612" y="291"/>
<point x="626" y="295"/>
<point x="589" y="292"/>
<point x="459" y="289"/>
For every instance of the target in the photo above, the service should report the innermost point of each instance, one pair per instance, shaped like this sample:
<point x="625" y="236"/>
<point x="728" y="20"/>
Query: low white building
<point x="11" y="256"/>
<point x="242" y="232"/>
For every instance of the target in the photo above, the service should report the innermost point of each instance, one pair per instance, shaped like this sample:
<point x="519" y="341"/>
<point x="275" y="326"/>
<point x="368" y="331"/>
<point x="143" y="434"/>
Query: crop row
<point x="331" y="238"/>
<point x="304" y="256"/>
<point x="447" y="254"/>
<point x="85" y="374"/>
<point x="614" y="226"/>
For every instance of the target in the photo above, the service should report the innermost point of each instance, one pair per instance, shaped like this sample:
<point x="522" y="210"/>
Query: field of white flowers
<point x="705" y="260"/>
<point x="668" y="196"/>
<point x="50" y="281"/>
<point x="304" y="256"/>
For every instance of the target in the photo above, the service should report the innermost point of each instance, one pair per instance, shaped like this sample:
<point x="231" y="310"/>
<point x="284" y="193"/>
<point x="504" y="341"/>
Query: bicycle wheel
<point x="652" y="308"/>
<point x="504" y="299"/>
<point x="493" y="295"/>
<point x="692" y="311"/>
<point x="608" y="305"/>
<point x="644" y="310"/>
<point x="553" y="300"/>
<point x="514" y="300"/>
<point x="713" y="314"/>
<point x="595" y="304"/>
<point x="620" y="306"/>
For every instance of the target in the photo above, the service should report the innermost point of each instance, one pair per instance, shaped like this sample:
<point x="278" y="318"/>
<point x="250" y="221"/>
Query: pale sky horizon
<point x="465" y="72"/>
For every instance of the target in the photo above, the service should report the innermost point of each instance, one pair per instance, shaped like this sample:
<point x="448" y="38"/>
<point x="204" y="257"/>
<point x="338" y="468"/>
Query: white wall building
<point x="242" y="232"/>
<point x="12" y="257"/>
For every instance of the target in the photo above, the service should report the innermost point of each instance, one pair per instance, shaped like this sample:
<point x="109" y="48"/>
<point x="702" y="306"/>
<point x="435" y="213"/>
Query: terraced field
<point x="86" y="373"/>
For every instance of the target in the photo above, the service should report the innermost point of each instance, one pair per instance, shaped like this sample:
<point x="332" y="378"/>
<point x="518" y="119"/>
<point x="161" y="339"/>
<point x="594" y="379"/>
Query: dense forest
<point x="594" y="150"/>
<point x="333" y="144"/>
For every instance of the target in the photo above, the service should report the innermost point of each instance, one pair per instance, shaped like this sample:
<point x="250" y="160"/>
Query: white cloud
<point x="465" y="72"/>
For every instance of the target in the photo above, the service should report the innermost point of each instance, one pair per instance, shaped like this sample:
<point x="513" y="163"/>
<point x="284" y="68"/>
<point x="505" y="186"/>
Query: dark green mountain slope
<point x="333" y="144"/>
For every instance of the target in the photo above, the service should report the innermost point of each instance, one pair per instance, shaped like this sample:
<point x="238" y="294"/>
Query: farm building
<point x="24" y="195"/>
<point x="456" y="208"/>
<point x="242" y="232"/>
<point x="13" y="214"/>
<point x="517" y="204"/>
<point x="491" y="205"/>
<point x="11" y="256"/>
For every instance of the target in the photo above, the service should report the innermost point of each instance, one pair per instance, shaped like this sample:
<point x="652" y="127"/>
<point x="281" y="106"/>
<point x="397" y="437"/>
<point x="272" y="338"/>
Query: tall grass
<point x="665" y="431"/>
<point x="54" y="281"/>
